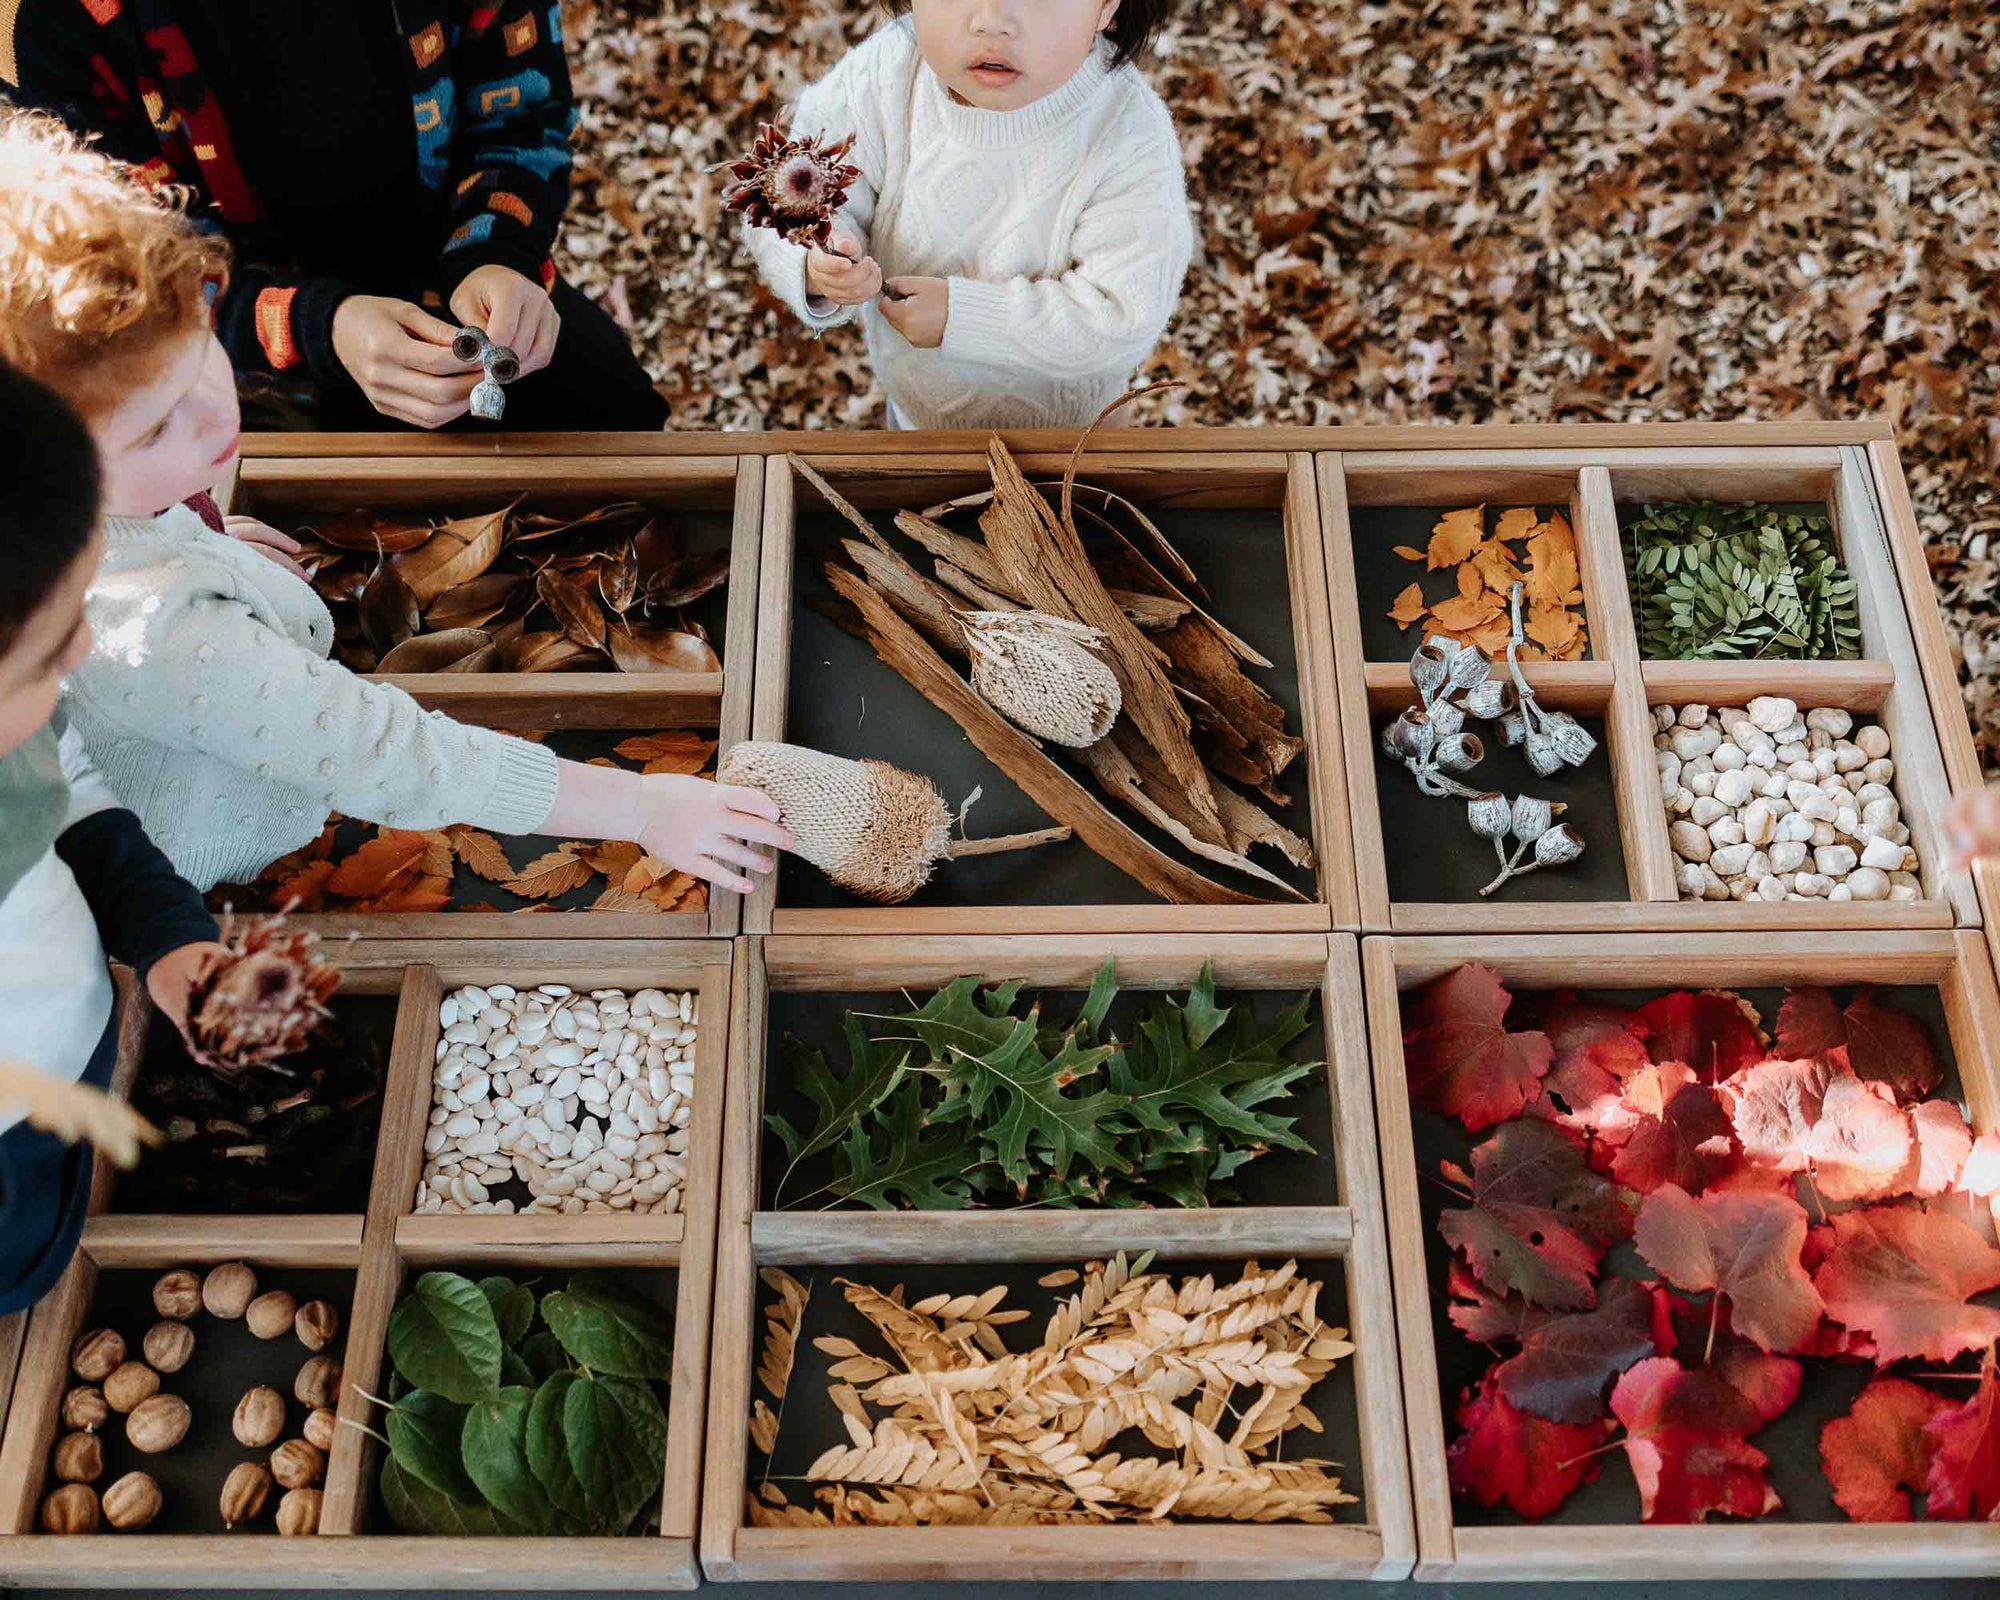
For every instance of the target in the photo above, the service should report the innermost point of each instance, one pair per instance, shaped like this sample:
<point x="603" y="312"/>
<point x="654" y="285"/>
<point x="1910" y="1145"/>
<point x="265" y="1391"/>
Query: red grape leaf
<point x="1540" y="1218"/>
<point x="1598" y="1048"/>
<point x="1937" y="1158"/>
<point x="1797" y="1116"/>
<point x="1981" y="1173"/>
<point x="1699" y="1331"/>
<point x="1904" y="1274"/>
<point x="1460" y="1057"/>
<point x="1689" y="1143"/>
<point x="1486" y="1317"/>
<point x="1713" y="1032"/>
<point x="1965" y="1473"/>
<point x="1880" y="1448"/>
<point x="1809" y="1025"/>
<point x="1885" y="1045"/>
<point x="1506" y="1455"/>
<point x="1567" y="1363"/>
<point x="1744" y="1246"/>
<point x="1684" y="1440"/>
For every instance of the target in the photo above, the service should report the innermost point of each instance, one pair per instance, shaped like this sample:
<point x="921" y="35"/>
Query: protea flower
<point x="791" y="186"/>
<point x="259" y="1002"/>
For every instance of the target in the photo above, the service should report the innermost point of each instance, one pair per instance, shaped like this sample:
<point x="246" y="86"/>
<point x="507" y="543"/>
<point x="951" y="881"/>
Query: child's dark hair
<point x="1131" y="30"/>
<point x="48" y="496"/>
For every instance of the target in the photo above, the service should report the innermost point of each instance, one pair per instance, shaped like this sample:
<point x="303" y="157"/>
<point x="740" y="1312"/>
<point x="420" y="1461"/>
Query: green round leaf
<point x="515" y="1373"/>
<point x="443" y="1337"/>
<point x="415" y="1507"/>
<point x="548" y="1450"/>
<point x="609" y="1329"/>
<point x="544" y="1354"/>
<point x="617" y="1436"/>
<point x="494" y="1448"/>
<point x="424" y="1431"/>
<point x="513" y="1307"/>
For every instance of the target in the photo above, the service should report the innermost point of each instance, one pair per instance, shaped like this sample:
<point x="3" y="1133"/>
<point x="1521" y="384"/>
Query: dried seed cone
<point x="244" y="1493"/>
<point x="1042" y="674"/>
<point x="874" y="829"/>
<point x="132" y="1502"/>
<point x="79" y="1458"/>
<point x="261" y="1001"/>
<point x="96" y="1354"/>
<point x="130" y="1386"/>
<point x="228" y="1290"/>
<point x="168" y="1346"/>
<point x="270" y="1315"/>
<point x="178" y="1294"/>
<point x="158" y="1423"/>
<point x="71" y="1509"/>
<point x="298" y="1513"/>
<point x="259" y="1418"/>
<point x="296" y="1464"/>
<point x="792" y="186"/>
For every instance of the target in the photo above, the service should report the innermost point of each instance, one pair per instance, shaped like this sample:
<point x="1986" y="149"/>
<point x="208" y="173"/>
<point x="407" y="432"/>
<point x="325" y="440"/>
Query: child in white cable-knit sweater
<point x="1021" y="188"/>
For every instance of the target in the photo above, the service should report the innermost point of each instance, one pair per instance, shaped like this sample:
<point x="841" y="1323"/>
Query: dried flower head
<point x="261" y="1001"/>
<point x="791" y="186"/>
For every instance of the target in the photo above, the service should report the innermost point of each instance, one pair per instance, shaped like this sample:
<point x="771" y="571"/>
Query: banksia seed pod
<point x="132" y="1502"/>
<point x="1042" y="673"/>
<point x="791" y="186"/>
<point x="260" y="1000"/>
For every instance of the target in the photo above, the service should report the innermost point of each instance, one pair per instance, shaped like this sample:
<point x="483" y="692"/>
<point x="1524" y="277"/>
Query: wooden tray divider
<point x="1351" y="1232"/>
<point x="39" y="1383"/>
<point x="1319" y="694"/>
<point x="1955" y="961"/>
<point x="725" y="908"/>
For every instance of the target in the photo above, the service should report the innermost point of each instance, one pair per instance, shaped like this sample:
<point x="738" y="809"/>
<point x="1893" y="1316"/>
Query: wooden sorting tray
<point x="718" y="502"/>
<point x="1247" y="524"/>
<point x="1575" y="1543"/>
<point x="1343" y="1238"/>
<point x="1626" y="877"/>
<point x="378" y="1250"/>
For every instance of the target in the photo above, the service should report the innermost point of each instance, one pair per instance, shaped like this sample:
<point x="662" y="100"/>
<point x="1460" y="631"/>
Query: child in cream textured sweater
<point x="208" y="702"/>
<point x="1021" y="189"/>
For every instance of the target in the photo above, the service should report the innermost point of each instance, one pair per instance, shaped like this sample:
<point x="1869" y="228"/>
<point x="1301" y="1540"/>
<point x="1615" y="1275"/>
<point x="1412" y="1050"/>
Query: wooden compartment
<point x="1343" y="1236"/>
<point x="1615" y="798"/>
<point x="717" y="502"/>
<point x="1246" y="523"/>
<point x="1954" y="993"/>
<point x="375" y="1251"/>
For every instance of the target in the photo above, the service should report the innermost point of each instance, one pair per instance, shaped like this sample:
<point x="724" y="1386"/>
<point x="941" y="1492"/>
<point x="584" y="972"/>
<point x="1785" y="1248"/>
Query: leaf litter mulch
<point x="1433" y="212"/>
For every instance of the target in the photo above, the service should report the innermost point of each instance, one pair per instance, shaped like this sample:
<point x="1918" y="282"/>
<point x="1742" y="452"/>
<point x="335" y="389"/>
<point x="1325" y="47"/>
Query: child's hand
<point x="1971" y="826"/>
<point x="698" y="826"/>
<point x="169" y="979"/>
<point x="841" y="273"/>
<point x="918" y="309"/>
<point x="512" y="310"/>
<point x="401" y="357"/>
<point x="278" y="547"/>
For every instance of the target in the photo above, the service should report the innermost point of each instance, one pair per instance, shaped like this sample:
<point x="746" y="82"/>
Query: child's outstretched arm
<point x="693" y="825"/>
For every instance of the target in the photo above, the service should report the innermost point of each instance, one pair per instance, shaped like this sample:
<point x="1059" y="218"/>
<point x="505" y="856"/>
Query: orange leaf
<point x="481" y="852"/>
<point x="1408" y="607"/>
<point x="1407" y="553"/>
<point x="644" y="873"/>
<point x="1492" y="637"/>
<point x="1552" y="573"/>
<point x="437" y="854"/>
<point x="1552" y="627"/>
<point x="304" y="890"/>
<point x="1456" y="535"/>
<point x="1494" y="563"/>
<point x="1470" y="584"/>
<point x="675" y="750"/>
<point x="425" y="894"/>
<point x="616" y="899"/>
<point x="395" y="853"/>
<point x="547" y="876"/>
<point x="1517" y="522"/>
<point x="678" y="891"/>
<point x="614" y="857"/>
<point x="1465" y="615"/>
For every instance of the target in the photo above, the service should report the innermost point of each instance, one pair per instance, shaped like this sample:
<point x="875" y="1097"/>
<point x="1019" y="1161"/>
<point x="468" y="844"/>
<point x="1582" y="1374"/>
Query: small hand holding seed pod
<point x="500" y="365"/>
<point x="874" y="829"/>
<point x="260" y="1000"/>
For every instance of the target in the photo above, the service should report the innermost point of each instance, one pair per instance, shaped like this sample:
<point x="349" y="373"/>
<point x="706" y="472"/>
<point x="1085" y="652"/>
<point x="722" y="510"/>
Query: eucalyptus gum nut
<point x="1489" y="816"/>
<point x="1559" y="846"/>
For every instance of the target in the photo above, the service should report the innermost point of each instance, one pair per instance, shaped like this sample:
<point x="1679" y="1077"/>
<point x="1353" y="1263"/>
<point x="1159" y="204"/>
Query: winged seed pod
<point x="792" y="186"/>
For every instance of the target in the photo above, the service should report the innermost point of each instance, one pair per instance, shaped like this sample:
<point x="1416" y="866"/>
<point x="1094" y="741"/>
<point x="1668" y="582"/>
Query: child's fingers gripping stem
<point x="841" y="273"/>
<point x="692" y="824"/>
<point x="170" y="978"/>
<point x="513" y="311"/>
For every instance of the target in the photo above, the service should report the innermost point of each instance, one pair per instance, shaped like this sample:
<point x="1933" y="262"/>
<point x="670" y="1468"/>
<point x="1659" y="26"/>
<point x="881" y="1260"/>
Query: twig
<point x="994" y="846"/>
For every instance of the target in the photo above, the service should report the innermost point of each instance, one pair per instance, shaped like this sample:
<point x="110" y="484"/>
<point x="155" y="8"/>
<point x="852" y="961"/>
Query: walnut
<point x="84" y="1408"/>
<point x="158" y="1423"/>
<point x="228" y="1289"/>
<point x="298" y="1512"/>
<point x="71" y="1509"/>
<point x="317" y="1324"/>
<point x="260" y="1417"/>
<point x="178" y="1294"/>
<point x="296" y="1464"/>
<point x="79" y="1458"/>
<point x="96" y="1354"/>
<point x="244" y="1493"/>
<point x="132" y="1382"/>
<point x="132" y="1502"/>
<point x="318" y="1382"/>
<point x="320" y="1428"/>
<point x="270" y="1314"/>
<point x="168" y="1346"/>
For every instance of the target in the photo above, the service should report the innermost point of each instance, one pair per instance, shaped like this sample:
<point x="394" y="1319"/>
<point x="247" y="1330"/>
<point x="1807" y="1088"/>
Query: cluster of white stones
<point x="585" y="1100"/>
<point x="1767" y="803"/>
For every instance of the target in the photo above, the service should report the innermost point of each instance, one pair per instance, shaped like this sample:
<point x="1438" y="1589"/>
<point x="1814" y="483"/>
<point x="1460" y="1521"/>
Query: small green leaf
<point x="617" y="1438"/>
<point x="417" y="1508"/>
<point x="443" y="1337"/>
<point x="544" y="1355"/>
<point x="515" y="1371"/>
<point x="424" y="1431"/>
<point x="609" y="1329"/>
<point x="926" y="1175"/>
<point x="873" y="1071"/>
<point x="1097" y="1004"/>
<point x="548" y="1449"/>
<point x="494" y="1449"/>
<point x="513" y="1307"/>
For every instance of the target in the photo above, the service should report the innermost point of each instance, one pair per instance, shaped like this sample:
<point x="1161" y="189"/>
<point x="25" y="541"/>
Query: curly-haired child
<point x="208" y="701"/>
<point x="1021" y="199"/>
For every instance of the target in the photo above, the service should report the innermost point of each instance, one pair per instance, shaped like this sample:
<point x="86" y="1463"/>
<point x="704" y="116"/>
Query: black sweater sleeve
<point x="143" y="907"/>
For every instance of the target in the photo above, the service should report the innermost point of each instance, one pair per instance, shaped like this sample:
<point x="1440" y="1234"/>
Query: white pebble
<point x="1834" y="860"/>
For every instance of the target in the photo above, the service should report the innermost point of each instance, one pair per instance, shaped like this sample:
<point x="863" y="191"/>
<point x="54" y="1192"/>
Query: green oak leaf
<point x="873" y="1071"/>
<point x="892" y="1161"/>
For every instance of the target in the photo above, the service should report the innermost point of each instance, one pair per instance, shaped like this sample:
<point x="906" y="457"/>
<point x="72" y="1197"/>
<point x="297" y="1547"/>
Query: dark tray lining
<point x="1791" y="1442"/>
<point x="342" y="1168"/>
<point x="1283" y="1177"/>
<point x="1433" y="855"/>
<point x="660" y="1285"/>
<point x="228" y="1361"/>
<point x="810" y="1423"/>
<point x="1631" y="511"/>
<point x="1380" y="574"/>
<point x="842" y="698"/>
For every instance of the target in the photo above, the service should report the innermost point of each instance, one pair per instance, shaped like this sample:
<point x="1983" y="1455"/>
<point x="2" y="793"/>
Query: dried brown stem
<point x="1000" y="843"/>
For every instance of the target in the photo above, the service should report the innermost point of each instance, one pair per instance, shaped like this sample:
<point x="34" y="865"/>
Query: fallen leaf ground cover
<point x="1433" y="212"/>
